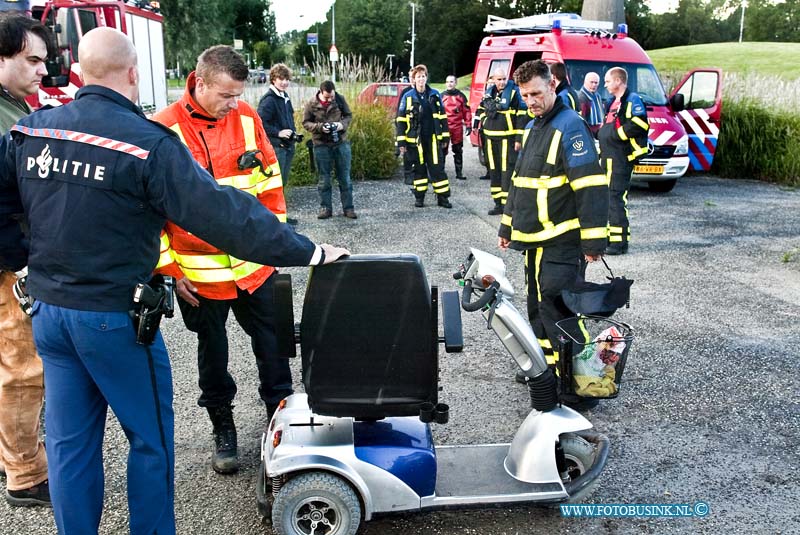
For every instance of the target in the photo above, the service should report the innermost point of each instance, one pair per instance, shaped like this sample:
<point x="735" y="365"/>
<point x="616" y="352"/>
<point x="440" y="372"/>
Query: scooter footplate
<point x="475" y="474"/>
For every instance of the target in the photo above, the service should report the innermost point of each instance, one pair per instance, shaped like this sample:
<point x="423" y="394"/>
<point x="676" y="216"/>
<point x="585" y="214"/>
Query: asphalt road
<point x="709" y="406"/>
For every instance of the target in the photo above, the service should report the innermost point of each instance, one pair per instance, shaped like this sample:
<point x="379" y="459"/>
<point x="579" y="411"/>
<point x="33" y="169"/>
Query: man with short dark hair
<point x="563" y="89"/>
<point x="25" y="44"/>
<point x="623" y="139"/>
<point x="327" y="117"/>
<point x="557" y="206"/>
<point x="222" y="131"/>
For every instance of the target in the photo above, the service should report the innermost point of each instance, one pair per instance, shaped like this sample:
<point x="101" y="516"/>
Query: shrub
<point x="757" y="142"/>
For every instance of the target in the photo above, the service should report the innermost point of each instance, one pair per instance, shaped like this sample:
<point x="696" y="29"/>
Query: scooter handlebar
<point x="488" y="295"/>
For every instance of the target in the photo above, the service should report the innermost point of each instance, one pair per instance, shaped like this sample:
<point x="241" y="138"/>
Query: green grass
<point x="770" y="59"/>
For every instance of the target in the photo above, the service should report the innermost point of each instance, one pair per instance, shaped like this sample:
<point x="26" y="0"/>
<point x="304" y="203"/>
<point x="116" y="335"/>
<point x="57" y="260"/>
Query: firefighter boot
<point x="497" y="210"/>
<point x="225" y="459"/>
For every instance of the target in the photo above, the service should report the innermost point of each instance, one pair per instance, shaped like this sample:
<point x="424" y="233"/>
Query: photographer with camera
<point x="327" y="117"/>
<point x="212" y="120"/>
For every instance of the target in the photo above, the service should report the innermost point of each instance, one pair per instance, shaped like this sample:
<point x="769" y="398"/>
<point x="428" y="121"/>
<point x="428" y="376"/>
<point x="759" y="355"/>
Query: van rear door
<point x="702" y="97"/>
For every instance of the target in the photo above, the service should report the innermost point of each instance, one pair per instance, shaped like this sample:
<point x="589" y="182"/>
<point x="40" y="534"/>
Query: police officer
<point x="557" y="204"/>
<point x="623" y="139"/>
<point x="97" y="181"/>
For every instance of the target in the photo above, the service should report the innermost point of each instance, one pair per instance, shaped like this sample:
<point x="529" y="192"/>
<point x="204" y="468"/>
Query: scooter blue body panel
<point x="401" y="446"/>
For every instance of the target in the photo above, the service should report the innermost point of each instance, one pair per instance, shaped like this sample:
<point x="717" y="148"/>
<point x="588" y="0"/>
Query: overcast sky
<point x="298" y="14"/>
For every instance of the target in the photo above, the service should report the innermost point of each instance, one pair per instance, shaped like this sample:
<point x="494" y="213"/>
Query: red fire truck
<point x="683" y="127"/>
<point x="70" y="19"/>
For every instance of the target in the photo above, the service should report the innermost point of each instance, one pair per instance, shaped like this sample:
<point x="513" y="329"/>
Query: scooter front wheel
<point x="316" y="503"/>
<point x="578" y="453"/>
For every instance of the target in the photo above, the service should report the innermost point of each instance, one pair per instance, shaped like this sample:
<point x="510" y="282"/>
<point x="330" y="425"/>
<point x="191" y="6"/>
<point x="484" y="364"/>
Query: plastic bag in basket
<point x="594" y="368"/>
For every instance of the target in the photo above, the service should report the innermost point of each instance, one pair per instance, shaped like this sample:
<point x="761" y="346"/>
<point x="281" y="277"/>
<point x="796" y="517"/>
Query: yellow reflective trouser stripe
<point x="615" y="234"/>
<point x="545" y="343"/>
<point x="554" y="143"/>
<point x="505" y="220"/>
<point x="249" y="129"/>
<point x="177" y="129"/>
<point x="540" y="183"/>
<point x="434" y="150"/>
<point x="490" y="155"/>
<point x="421" y="154"/>
<point x="587" y="181"/>
<point x="504" y="160"/>
<point x="536" y="269"/>
<point x="596" y="233"/>
<point x="547" y="233"/>
<point x="442" y="186"/>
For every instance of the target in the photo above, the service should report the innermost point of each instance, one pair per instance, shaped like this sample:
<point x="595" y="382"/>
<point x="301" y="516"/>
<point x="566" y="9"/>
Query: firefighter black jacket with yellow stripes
<point x="409" y="116"/>
<point x="502" y="114"/>
<point x="558" y="192"/>
<point x="625" y="138"/>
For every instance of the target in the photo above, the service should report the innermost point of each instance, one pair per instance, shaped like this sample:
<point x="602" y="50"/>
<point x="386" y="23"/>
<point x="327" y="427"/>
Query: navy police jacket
<point x="97" y="181"/>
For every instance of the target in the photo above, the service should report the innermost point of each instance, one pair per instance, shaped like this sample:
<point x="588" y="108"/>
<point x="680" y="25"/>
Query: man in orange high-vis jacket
<point x="225" y="136"/>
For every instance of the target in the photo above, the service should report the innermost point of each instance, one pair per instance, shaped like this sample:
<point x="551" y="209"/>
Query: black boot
<point x="225" y="459"/>
<point x="497" y="210"/>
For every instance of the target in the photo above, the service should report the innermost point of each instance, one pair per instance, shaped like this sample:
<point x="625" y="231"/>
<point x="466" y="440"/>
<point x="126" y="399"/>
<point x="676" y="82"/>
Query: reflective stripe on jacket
<point x="409" y="118"/>
<point x="625" y="136"/>
<point x="558" y="189"/>
<point x="510" y="116"/>
<point x="216" y="144"/>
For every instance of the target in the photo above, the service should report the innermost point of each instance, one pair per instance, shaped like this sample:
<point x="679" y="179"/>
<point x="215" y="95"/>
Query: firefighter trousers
<point x="92" y="362"/>
<point x="428" y="163"/>
<point x="256" y="314"/>
<point x="500" y="160"/>
<point x="548" y="270"/>
<point x="21" y="389"/>
<point x="619" y="177"/>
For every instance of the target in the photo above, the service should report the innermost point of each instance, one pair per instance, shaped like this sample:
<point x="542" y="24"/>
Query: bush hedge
<point x="371" y="136"/>
<point x="758" y="143"/>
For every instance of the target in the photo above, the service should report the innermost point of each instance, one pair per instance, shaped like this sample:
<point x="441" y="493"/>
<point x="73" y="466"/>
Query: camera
<point x="152" y="301"/>
<point x="332" y="131"/>
<point x="294" y="137"/>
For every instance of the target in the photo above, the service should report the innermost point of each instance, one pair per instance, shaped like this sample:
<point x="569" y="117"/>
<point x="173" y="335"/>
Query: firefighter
<point x="220" y="130"/>
<point x="623" y="139"/>
<point x="501" y="116"/>
<point x="422" y="130"/>
<point x="459" y="117"/>
<point x="97" y="182"/>
<point x="563" y="89"/>
<point x="557" y="206"/>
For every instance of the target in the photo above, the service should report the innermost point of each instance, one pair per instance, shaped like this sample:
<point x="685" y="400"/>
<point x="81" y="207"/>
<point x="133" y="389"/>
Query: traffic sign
<point x="334" y="54"/>
<point x="312" y="39"/>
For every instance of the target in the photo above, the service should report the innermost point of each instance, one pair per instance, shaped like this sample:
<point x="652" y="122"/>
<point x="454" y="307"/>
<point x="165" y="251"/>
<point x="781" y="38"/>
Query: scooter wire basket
<point x="599" y="347"/>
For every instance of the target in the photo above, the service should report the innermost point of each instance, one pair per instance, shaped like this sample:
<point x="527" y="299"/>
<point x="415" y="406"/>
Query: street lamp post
<point x="413" y="29"/>
<point x="334" y="57"/>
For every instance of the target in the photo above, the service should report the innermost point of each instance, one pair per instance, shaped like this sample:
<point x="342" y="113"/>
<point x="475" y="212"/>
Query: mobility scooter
<point x="358" y="442"/>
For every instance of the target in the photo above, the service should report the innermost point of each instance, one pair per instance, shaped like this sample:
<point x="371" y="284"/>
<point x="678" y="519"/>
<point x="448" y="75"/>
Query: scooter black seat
<point x="369" y="337"/>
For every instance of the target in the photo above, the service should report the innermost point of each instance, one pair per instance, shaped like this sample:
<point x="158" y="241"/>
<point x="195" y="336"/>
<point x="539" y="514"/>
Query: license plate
<point x="648" y="169"/>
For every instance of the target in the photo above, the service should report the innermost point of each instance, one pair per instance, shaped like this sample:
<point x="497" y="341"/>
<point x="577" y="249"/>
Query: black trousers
<point x="619" y="175"/>
<point x="255" y="313"/>
<point x="428" y="162"/>
<point x="458" y="157"/>
<point x="548" y="270"/>
<point x="500" y="159"/>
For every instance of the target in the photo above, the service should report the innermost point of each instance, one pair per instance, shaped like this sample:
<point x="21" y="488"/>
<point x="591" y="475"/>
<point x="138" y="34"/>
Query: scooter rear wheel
<point x="578" y="454"/>
<point x="316" y="503"/>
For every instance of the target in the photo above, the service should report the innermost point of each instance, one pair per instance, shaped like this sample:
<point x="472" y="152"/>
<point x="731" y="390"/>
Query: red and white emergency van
<point x="684" y="127"/>
<point x="70" y="19"/>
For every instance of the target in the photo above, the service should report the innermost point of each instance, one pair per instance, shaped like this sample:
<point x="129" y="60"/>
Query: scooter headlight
<point x="682" y="147"/>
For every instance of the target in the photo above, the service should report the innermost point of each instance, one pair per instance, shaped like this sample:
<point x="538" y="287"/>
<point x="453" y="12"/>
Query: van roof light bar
<point x="570" y="22"/>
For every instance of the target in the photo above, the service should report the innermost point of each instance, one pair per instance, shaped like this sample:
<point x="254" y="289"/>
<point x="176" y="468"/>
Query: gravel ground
<point x="709" y="407"/>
